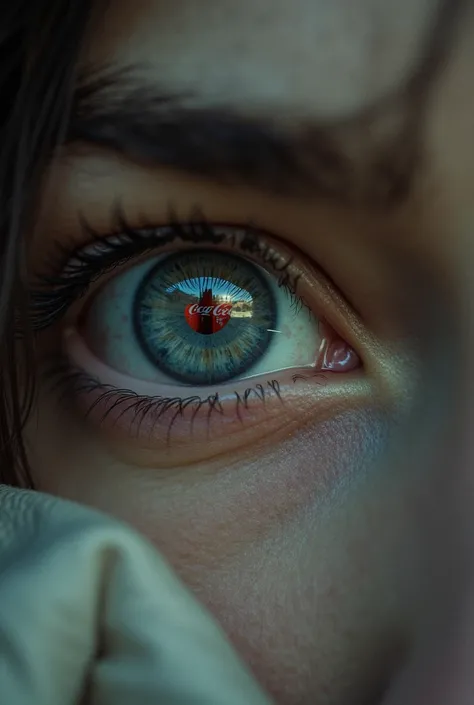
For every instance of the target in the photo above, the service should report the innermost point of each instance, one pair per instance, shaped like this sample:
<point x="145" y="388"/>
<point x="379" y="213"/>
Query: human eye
<point x="188" y="331"/>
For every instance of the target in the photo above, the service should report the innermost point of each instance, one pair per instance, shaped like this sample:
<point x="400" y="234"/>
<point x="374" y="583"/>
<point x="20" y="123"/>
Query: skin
<point x="333" y="544"/>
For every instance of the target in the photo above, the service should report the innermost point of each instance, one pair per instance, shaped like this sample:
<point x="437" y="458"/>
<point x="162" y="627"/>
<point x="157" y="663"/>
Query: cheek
<point x="251" y="539"/>
<point x="217" y="508"/>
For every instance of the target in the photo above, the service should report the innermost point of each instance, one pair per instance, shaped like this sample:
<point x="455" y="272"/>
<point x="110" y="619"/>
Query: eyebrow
<point x="121" y="110"/>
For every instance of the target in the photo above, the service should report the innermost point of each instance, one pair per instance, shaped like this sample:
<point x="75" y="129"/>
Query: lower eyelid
<point x="181" y="433"/>
<point x="197" y="428"/>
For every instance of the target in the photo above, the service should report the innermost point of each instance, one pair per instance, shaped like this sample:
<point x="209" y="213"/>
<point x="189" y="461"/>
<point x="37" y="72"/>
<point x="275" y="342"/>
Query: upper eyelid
<point x="318" y="293"/>
<point x="120" y="227"/>
<point x="72" y="275"/>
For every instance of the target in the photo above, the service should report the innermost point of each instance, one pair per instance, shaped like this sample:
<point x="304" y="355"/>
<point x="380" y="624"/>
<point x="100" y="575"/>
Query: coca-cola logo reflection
<point x="208" y="319"/>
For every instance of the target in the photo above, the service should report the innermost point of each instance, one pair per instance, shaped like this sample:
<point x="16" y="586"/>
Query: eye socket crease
<point x="118" y="109"/>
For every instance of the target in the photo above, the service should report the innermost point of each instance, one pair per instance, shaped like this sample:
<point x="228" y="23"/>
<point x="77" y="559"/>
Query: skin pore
<point x="331" y="533"/>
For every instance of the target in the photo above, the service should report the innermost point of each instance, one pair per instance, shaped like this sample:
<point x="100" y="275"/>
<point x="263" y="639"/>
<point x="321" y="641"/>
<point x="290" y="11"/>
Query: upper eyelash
<point x="81" y="267"/>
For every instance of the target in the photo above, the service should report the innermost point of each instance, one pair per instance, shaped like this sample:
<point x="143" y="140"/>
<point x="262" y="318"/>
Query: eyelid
<point x="79" y="269"/>
<point x="253" y="408"/>
<point x="57" y="293"/>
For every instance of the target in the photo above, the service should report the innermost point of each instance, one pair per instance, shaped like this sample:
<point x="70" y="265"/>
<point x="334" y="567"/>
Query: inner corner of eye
<point x="335" y="354"/>
<point x="198" y="319"/>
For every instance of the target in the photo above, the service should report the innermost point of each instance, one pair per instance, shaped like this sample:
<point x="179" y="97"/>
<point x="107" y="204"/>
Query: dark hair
<point x="40" y="42"/>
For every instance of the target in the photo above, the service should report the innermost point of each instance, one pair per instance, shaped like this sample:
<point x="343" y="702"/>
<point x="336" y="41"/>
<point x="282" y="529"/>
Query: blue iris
<point x="204" y="317"/>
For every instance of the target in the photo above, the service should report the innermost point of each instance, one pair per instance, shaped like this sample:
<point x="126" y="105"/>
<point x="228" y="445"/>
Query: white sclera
<point x="110" y="335"/>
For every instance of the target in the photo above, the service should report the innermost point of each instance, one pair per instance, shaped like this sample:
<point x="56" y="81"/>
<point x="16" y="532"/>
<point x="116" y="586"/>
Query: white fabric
<point x="90" y="613"/>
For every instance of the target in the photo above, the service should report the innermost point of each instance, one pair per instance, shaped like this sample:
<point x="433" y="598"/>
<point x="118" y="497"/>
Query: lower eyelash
<point x="73" y="381"/>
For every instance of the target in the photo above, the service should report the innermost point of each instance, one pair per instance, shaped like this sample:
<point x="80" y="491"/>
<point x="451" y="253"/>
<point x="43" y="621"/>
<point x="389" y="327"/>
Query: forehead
<point x="323" y="59"/>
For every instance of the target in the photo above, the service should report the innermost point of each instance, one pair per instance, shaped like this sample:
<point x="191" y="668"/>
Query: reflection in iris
<point x="216" y="300"/>
<point x="205" y="317"/>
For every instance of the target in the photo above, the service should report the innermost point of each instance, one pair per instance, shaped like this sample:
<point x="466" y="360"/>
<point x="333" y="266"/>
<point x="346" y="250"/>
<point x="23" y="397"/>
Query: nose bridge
<point x="450" y="525"/>
<point x="439" y="667"/>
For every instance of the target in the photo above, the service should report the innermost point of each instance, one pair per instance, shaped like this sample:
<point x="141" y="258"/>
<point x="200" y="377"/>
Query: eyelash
<point x="70" y="381"/>
<point x="80" y="267"/>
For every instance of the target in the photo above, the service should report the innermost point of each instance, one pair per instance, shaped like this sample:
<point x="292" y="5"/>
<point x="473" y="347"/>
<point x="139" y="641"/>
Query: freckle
<point x="124" y="318"/>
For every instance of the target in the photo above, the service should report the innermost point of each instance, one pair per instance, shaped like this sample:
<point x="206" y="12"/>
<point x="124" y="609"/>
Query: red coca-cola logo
<point x="207" y="319"/>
